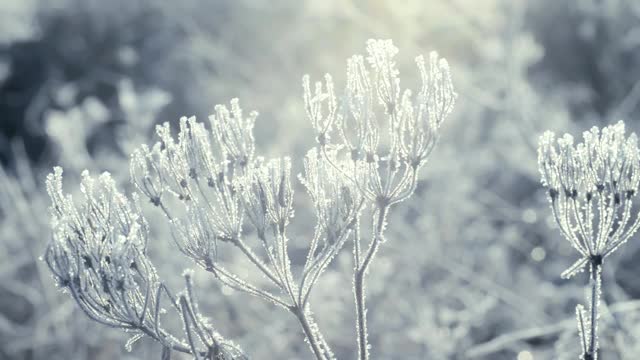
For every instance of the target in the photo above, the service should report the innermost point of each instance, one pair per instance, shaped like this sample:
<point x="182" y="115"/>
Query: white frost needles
<point x="591" y="187"/>
<point x="376" y="139"/>
<point x="211" y="186"/>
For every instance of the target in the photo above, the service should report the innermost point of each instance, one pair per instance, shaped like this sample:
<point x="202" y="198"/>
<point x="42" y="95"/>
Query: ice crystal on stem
<point x="591" y="187"/>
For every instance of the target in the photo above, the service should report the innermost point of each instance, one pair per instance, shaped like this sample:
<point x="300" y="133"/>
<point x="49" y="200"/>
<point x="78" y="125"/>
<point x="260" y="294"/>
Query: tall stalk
<point x="359" y="282"/>
<point x="596" y="283"/>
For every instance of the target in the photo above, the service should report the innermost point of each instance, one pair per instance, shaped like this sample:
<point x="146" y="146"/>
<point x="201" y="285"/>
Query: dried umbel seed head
<point x="335" y="198"/>
<point x="420" y="118"/>
<point x="145" y="176"/>
<point x="386" y="82"/>
<point x="315" y="102"/>
<point x="195" y="144"/>
<point x="387" y="166"/>
<point x="267" y="194"/>
<point x="98" y="251"/>
<point x="187" y="168"/>
<point x="234" y="133"/>
<point x="98" y="255"/>
<point x="591" y="187"/>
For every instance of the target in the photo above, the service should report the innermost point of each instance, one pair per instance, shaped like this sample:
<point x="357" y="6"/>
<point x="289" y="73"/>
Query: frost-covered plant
<point x="591" y="187"/>
<point x="215" y="192"/>
<point x="383" y="170"/>
<point x="99" y="257"/>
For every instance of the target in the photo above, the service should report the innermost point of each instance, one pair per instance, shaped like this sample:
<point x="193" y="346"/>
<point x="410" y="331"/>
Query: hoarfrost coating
<point x="471" y="263"/>
<point x="591" y="187"/>
<point x="210" y="185"/>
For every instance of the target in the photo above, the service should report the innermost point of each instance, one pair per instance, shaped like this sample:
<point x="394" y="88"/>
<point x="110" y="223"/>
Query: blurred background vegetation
<point x="471" y="268"/>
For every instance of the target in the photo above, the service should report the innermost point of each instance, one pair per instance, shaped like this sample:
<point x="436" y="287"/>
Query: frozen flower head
<point x="336" y="200"/>
<point x="98" y="252"/>
<point x="185" y="168"/>
<point x="385" y="168"/>
<point x="98" y="255"/>
<point x="420" y="118"/>
<point x="234" y="132"/>
<point x="591" y="187"/>
<point x="386" y="80"/>
<point x="267" y="194"/>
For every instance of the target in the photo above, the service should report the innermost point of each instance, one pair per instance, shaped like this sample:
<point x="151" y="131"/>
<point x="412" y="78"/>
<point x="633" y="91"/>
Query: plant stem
<point x="254" y="259"/>
<point x="595" y="280"/>
<point x="361" y="326"/>
<point x="309" y="333"/>
<point x="359" y="284"/>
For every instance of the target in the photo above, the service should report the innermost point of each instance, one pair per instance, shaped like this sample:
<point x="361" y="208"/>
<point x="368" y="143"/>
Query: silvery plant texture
<point x="591" y="187"/>
<point x="217" y="194"/>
